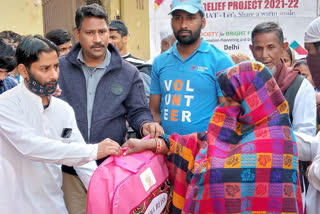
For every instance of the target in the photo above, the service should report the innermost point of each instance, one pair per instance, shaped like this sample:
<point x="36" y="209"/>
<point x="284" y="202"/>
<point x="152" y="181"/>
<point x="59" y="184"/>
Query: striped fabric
<point x="247" y="161"/>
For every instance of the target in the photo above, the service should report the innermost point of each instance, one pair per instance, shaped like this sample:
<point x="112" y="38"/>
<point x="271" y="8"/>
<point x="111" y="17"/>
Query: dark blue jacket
<point x="119" y="96"/>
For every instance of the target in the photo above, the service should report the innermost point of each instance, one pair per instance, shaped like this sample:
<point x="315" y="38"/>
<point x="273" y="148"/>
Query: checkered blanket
<point x="247" y="162"/>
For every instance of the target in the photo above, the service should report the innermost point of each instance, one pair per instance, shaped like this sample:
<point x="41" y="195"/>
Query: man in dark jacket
<point x="104" y="91"/>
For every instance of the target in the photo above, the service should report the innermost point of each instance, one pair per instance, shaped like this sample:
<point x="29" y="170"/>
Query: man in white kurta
<point x="308" y="146"/>
<point x="35" y="139"/>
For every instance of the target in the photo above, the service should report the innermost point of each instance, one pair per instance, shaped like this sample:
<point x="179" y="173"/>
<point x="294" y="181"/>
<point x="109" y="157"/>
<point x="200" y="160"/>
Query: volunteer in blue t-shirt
<point x="184" y="90"/>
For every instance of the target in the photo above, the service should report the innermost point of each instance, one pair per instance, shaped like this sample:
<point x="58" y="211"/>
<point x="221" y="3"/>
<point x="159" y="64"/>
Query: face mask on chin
<point x="37" y="88"/>
<point x="313" y="62"/>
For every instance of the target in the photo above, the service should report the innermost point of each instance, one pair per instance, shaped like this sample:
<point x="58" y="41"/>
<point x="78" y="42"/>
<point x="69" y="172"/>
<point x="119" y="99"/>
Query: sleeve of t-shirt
<point x="155" y="79"/>
<point x="223" y="64"/>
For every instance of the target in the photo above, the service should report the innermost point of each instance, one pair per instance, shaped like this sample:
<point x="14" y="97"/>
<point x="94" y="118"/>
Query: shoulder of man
<point x="145" y="69"/>
<point x="61" y="105"/>
<point x="160" y="59"/>
<point x="128" y="67"/>
<point x="10" y="99"/>
<point x="9" y="83"/>
<point x="133" y="59"/>
<point x="217" y="51"/>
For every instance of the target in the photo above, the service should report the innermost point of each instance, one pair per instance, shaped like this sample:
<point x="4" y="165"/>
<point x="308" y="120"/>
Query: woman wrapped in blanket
<point x="247" y="160"/>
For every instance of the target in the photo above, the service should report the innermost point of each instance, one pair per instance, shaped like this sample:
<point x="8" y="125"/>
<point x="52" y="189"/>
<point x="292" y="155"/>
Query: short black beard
<point x="189" y="39"/>
<point x="32" y="78"/>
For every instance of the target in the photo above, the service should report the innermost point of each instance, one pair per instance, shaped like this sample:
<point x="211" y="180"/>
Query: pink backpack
<point x="137" y="183"/>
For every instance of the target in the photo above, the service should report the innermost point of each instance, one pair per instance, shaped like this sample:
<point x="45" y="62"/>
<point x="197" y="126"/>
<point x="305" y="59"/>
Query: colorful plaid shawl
<point x="247" y="160"/>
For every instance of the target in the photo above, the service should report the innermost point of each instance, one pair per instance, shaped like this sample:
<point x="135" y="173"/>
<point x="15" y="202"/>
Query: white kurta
<point x="309" y="150"/>
<point x="304" y="112"/>
<point x="32" y="151"/>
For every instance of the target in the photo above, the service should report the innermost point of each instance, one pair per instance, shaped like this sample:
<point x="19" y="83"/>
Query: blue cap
<point x="190" y="6"/>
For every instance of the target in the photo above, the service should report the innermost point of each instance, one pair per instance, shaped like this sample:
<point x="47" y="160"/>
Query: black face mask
<point x="313" y="62"/>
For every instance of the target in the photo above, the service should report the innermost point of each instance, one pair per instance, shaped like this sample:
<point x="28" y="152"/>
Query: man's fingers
<point x="152" y="129"/>
<point x="129" y="151"/>
<point x="108" y="147"/>
<point x="110" y="142"/>
<point x="126" y="144"/>
<point x="159" y="130"/>
<point x="113" y="150"/>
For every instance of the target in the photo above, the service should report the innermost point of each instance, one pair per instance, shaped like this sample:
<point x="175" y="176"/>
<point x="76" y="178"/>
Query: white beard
<point x="273" y="70"/>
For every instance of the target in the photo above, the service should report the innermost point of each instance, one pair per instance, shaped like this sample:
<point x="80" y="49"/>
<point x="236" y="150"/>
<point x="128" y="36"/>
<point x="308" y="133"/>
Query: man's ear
<point x="125" y="39"/>
<point x="23" y="71"/>
<point x="76" y="33"/>
<point x="203" y="23"/>
<point x="251" y="48"/>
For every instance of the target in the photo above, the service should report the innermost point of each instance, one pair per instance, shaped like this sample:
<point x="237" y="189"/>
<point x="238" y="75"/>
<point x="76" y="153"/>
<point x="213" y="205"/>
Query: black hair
<point x="7" y="57"/>
<point x="92" y="10"/>
<point x="59" y="36"/>
<point x="30" y="47"/>
<point x="268" y="27"/>
<point x="120" y="32"/>
<point x="201" y="14"/>
<point x="10" y="36"/>
<point x="299" y="62"/>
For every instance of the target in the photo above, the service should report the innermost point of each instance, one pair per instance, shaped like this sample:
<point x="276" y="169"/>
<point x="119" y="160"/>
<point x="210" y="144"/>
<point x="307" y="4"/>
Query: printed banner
<point x="230" y="22"/>
<point x="157" y="3"/>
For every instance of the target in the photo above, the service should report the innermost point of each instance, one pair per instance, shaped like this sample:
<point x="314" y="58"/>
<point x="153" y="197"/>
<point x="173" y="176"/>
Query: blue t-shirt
<point x="188" y="88"/>
<point x="6" y="84"/>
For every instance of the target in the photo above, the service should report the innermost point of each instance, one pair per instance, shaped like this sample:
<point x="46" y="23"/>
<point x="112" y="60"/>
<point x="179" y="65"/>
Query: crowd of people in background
<point x="239" y="133"/>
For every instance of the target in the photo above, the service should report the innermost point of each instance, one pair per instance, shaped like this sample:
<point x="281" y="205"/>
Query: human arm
<point x="304" y="111"/>
<point x="171" y="142"/>
<point x="138" y="112"/>
<point x="221" y="100"/>
<point x="314" y="171"/>
<point x="181" y="157"/>
<point x="307" y="145"/>
<point x="225" y="63"/>
<point x="105" y="148"/>
<point x="154" y="129"/>
<point x="45" y="145"/>
<point x="57" y="92"/>
<point x="318" y="98"/>
<point x="309" y="150"/>
<point x="146" y="83"/>
<point x="155" y="93"/>
<point x="154" y="105"/>
<point x="137" y="145"/>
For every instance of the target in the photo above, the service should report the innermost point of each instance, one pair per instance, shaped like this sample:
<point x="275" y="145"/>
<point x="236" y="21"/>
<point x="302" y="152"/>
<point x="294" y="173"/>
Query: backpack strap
<point x="291" y="92"/>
